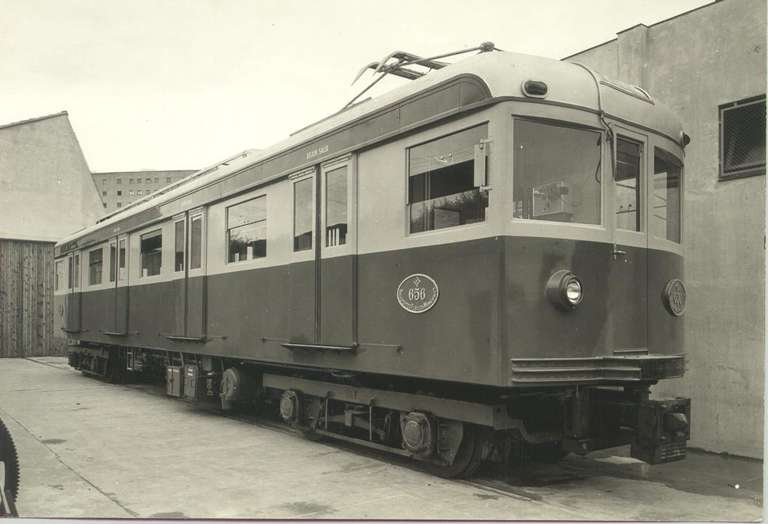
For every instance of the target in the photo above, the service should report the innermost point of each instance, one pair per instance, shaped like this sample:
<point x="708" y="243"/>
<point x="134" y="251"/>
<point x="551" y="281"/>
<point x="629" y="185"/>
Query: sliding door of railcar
<point x="195" y="275"/>
<point x="303" y="268"/>
<point x="72" y="299"/>
<point x="628" y="275"/>
<point x="338" y="247"/>
<point x="121" y="290"/>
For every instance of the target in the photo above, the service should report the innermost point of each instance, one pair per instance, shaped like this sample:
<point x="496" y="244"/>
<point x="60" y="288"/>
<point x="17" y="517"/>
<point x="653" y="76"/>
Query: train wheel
<point x="10" y="461"/>
<point x="468" y="458"/>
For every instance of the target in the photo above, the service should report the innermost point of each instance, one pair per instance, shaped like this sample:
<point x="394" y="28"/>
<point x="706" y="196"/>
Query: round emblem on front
<point x="417" y="293"/>
<point x="675" y="297"/>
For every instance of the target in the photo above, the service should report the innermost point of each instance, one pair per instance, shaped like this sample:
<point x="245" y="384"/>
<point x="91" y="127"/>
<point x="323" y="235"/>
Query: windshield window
<point x="557" y="173"/>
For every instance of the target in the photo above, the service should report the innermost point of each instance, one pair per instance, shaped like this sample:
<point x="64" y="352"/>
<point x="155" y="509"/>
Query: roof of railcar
<point x="503" y="73"/>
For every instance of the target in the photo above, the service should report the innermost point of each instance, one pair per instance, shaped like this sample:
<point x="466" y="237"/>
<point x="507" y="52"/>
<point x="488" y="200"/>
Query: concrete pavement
<point x="91" y="449"/>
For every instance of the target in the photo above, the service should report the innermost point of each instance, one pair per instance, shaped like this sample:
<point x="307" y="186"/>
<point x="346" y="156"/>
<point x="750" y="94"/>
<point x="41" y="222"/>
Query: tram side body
<point x="491" y="323"/>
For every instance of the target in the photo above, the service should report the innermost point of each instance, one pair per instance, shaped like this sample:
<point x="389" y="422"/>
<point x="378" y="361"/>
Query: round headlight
<point x="573" y="291"/>
<point x="564" y="290"/>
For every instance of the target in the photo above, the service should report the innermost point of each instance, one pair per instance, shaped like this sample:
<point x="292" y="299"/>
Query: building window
<point x="148" y="180"/>
<point x="441" y="182"/>
<point x="95" y="260"/>
<point x="167" y="180"/>
<point x="157" y="180"/>
<point x="104" y="181"/>
<point x="556" y="173"/>
<point x="139" y="192"/>
<point x="151" y="253"/>
<point x="336" y="207"/>
<point x="302" y="215"/>
<point x="196" y="242"/>
<point x="178" y="239"/>
<point x="130" y="193"/>
<point x="742" y="138"/>
<point x="130" y="181"/>
<point x="103" y="193"/>
<point x="119" y="193"/>
<point x="105" y="205"/>
<point x="247" y="230"/>
<point x="119" y="204"/>
<point x="119" y="181"/>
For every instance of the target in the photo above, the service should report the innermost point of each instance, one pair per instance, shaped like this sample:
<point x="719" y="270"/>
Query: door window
<point x="121" y="260"/>
<point x="178" y="249"/>
<point x="112" y="262"/>
<point x="196" y="243"/>
<point x="627" y="184"/>
<point x="302" y="215"/>
<point x="336" y="207"/>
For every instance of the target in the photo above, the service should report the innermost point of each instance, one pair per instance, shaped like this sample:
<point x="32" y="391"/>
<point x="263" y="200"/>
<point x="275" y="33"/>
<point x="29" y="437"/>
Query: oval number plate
<point x="417" y="293"/>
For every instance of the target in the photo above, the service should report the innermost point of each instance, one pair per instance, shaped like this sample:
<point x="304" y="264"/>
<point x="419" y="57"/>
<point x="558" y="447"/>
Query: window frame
<point x="201" y="215"/>
<point x="327" y="169"/>
<point x="407" y="168"/>
<point x="605" y="160"/>
<point x="60" y="274"/>
<point x="101" y="271"/>
<point x="227" y="207"/>
<point x="112" y="250"/>
<point x="152" y="229"/>
<point x="301" y="176"/>
<point x="182" y="219"/>
<point x="651" y="174"/>
<point x="753" y="170"/>
<point x="123" y="255"/>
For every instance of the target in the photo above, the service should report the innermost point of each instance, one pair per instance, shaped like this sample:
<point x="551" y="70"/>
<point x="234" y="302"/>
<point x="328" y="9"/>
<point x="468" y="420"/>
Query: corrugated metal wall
<point x="26" y="298"/>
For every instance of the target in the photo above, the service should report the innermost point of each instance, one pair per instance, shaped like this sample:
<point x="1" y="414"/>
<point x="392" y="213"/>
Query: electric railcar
<point x="483" y="263"/>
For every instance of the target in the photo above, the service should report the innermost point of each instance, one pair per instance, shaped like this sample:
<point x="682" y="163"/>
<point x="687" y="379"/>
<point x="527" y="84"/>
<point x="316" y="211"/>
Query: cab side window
<point x="442" y="181"/>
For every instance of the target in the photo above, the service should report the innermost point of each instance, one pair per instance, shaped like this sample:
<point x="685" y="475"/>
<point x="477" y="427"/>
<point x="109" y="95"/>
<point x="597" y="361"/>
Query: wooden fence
<point x="26" y="298"/>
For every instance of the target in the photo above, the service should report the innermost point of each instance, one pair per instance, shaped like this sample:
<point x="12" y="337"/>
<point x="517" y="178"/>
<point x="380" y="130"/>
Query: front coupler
<point x="598" y="418"/>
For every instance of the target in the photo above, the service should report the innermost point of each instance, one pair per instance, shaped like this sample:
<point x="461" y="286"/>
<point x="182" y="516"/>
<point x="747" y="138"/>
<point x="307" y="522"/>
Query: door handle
<point x="619" y="253"/>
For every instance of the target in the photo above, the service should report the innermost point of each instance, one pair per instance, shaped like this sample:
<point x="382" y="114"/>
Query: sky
<point x="171" y="84"/>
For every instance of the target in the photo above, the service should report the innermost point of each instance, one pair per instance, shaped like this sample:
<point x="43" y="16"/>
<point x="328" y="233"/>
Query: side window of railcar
<point x="151" y="253"/>
<point x="95" y="262"/>
<point x="247" y="230"/>
<point x="178" y="240"/>
<point x="556" y="173"/>
<point x="196" y="242"/>
<point x="336" y="207"/>
<point x="628" y="166"/>
<point x="302" y="215"/>
<point x="667" y="182"/>
<point x="441" y="182"/>
<point x="59" y="275"/>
